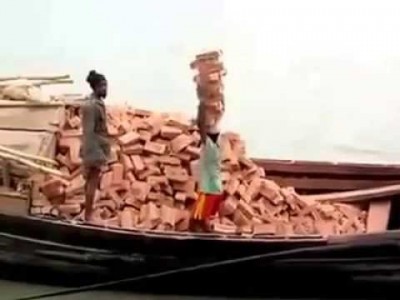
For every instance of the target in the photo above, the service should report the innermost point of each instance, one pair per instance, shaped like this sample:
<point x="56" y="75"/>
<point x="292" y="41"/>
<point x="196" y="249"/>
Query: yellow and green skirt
<point x="206" y="206"/>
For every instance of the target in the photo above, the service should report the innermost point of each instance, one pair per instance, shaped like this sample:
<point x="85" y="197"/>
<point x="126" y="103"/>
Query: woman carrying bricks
<point x="95" y="144"/>
<point x="210" y="183"/>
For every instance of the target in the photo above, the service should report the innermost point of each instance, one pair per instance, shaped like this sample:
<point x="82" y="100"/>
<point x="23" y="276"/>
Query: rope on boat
<point x="183" y="270"/>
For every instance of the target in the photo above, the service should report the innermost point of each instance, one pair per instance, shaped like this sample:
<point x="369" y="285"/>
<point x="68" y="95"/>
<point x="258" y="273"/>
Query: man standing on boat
<point x="210" y="183"/>
<point x="95" y="144"/>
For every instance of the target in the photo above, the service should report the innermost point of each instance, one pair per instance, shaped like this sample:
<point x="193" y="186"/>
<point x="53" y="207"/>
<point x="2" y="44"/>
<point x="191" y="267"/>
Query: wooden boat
<point x="58" y="252"/>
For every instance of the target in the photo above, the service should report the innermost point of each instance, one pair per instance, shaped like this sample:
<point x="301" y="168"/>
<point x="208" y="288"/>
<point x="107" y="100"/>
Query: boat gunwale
<point x="173" y="235"/>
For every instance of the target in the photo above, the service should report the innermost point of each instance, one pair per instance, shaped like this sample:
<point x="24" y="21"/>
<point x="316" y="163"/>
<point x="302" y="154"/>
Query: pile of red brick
<point x="149" y="182"/>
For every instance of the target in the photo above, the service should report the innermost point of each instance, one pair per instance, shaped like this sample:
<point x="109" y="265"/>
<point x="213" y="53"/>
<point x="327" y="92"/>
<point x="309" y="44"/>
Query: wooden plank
<point x="306" y="183"/>
<point x="310" y="167"/>
<point x="13" y="204"/>
<point x="378" y="216"/>
<point x="29" y="118"/>
<point x="356" y="196"/>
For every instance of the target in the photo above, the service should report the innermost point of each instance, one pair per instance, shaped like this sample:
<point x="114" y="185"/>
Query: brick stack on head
<point x="210" y="72"/>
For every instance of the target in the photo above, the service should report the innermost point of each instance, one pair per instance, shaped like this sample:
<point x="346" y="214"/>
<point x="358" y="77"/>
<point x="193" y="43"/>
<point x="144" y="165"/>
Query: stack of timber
<point x="150" y="182"/>
<point x="28" y="140"/>
<point x="28" y="88"/>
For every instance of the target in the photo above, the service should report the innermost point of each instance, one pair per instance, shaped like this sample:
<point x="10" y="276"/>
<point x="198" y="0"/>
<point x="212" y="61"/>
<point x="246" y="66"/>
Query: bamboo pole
<point x="28" y="156"/>
<point x="50" y="82"/>
<point x="57" y="77"/>
<point x="9" y="78"/>
<point x="32" y="165"/>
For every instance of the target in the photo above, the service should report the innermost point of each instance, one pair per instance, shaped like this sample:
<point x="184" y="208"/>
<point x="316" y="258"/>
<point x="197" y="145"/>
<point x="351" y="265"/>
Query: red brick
<point x="74" y="152"/>
<point x="194" y="169"/>
<point x="140" y="190"/>
<point x="112" y="130"/>
<point x="185" y="157"/>
<point x="224" y="229"/>
<point x="137" y="163"/>
<point x="126" y="218"/>
<point x="232" y="186"/>
<point x="243" y="193"/>
<point x="155" y="196"/>
<point x="271" y="191"/>
<point x="170" y="132"/>
<point x="181" y="197"/>
<point x="228" y="206"/>
<point x="154" y="148"/>
<point x="157" y="180"/>
<point x="129" y="138"/>
<point x="150" y="215"/>
<point x="182" y="220"/>
<point x="131" y="178"/>
<point x="127" y="162"/>
<point x="254" y="188"/>
<point x="117" y="173"/>
<point x="179" y="121"/>
<point x="64" y="161"/>
<point x="77" y="199"/>
<point x="53" y="188"/>
<point x="125" y="126"/>
<point x="106" y="180"/>
<point x="188" y="187"/>
<point x="246" y="209"/>
<point x="135" y="149"/>
<point x="240" y="219"/>
<point x="65" y="142"/>
<point x="168" y="201"/>
<point x="72" y="209"/>
<point x="247" y="163"/>
<point x="181" y="142"/>
<point x="150" y="160"/>
<point x="264" y="229"/>
<point x="194" y="152"/>
<point x="114" y="195"/>
<point x="145" y="135"/>
<point x="149" y="171"/>
<point x="108" y="203"/>
<point x="168" y="216"/>
<point x="176" y="174"/>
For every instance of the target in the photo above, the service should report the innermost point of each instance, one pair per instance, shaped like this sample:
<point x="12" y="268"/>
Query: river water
<point x="12" y="290"/>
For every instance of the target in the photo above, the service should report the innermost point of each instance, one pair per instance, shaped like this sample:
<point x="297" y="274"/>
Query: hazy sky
<point x="306" y="79"/>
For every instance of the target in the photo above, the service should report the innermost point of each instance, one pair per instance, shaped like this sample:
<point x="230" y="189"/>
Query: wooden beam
<point x="357" y="196"/>
<point x="310" y="167"/>
<point x="43" y="160"/>
<point x="306" y="183"/>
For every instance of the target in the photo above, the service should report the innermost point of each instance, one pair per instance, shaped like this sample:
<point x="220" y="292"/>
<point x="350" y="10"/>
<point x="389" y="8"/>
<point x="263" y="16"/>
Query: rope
<point x="180" y="270"/>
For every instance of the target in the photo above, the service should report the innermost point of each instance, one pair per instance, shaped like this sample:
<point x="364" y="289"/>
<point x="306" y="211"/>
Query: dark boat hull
<point x="58" y="253"/>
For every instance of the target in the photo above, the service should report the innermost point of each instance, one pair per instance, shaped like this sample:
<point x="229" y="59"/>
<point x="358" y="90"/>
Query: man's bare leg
<point x="91" y="185"/>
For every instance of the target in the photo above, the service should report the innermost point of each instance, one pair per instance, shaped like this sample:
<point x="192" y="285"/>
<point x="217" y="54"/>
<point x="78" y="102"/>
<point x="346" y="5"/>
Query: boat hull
<point x="57" y="253"/>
